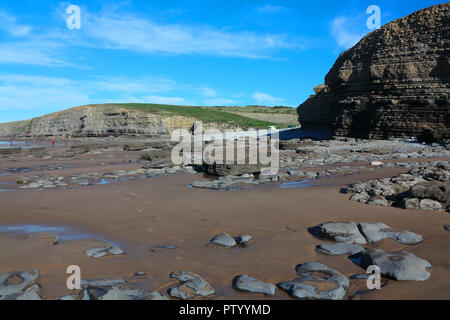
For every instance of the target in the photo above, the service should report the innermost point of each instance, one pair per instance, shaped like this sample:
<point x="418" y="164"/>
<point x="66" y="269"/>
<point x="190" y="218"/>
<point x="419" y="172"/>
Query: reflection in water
<point x="295" y="184"/>
<point x="64" y="233"/>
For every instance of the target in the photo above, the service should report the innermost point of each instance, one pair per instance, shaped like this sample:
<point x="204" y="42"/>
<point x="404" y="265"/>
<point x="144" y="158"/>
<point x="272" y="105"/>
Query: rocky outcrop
<point x="102" y="121"/>
<point x="95" y="121"/>
<point x="393" y="83"/>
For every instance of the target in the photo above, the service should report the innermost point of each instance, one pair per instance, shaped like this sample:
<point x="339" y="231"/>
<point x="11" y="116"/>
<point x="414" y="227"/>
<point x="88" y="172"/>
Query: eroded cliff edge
<point x="393" y="83"/>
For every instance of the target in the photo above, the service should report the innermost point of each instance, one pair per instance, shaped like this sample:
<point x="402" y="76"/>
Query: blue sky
<point x="190" y="52"/>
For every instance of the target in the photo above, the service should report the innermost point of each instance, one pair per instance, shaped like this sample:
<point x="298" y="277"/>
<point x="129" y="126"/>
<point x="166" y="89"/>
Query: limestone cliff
<point x="393" y="83"/>
<point x="98" y="121"/>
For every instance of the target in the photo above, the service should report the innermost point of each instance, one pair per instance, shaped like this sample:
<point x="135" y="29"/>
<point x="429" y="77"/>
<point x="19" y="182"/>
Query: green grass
<point x="208" y="114"/>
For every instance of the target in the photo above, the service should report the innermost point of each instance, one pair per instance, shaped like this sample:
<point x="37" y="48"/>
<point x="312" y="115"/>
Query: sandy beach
<point x="143" y="215"/>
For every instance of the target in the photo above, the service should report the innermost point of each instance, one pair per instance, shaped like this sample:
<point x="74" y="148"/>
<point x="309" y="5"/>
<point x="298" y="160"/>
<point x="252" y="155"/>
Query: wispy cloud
<point x="110" y="30"/>
<point x="344" y="38"/>
<point x="32" y="52"/>
<point x="164" y="100"/>
<point x="129" y="32"/>
<point x="32" y="92"/>
<point x="270" y="8"/>
<point x="208" y="92"/>
<point x="21" y="92"/>
<point x="262" y="97"/>
<point x="9" y="24"/>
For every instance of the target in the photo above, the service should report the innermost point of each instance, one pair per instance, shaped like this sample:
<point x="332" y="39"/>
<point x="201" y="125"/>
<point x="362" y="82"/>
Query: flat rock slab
<point x="400" y="265"/>
<point x="346" y="232"/>
<point x="249" y="284"/>
<point x="374" y="232"/>
<point x="339" y="249"/>
<point x="316" y="281"/>
<point x="99" y="252"/>
<point x="109" y="289"/>
<point x="223" y="240"/>
<point x="192" y="285"/>
<point x="15" y="282"/>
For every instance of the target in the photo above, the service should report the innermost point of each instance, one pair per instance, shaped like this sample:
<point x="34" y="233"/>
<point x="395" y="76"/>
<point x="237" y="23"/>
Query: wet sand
<point x="142" y="214"/>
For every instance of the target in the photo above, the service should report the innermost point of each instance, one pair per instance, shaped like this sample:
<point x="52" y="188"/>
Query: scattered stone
<point x="243" y="239"/>
<point x="378" y="201"/>
<point x="224" y="240"/>
<point x="400" y="265"/>
<point x="447" y="227"/>
<point x="430" y="205"/>
<point x="192" y="285"/>
<point x="249" y="284"/>
<point x="360" y="197"/>
<point x="205" y="184"/>
<point x="374" y="232"/>
<point x="230" y="169"/>
<point x="13" y="283"/>
<point x="139" y="274"/>
<point x="31" y="294"/>
<point x="316" y="281"/>
<point x="99" y="252"/>
<point x="411" y="203"/>
<point x="376" y="163"/>
<point x="339" y="249"/>
<point x="339" y="232"/>
<point x="108" y="289"/>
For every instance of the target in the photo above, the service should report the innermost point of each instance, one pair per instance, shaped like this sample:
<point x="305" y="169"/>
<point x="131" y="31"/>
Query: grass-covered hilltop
<point x="142" y="119"/>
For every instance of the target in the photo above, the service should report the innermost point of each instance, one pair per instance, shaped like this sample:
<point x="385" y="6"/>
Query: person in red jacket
<point x="53" y="143"/>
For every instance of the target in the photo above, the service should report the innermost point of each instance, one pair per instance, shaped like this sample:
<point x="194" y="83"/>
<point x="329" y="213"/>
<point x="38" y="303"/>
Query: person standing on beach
<point x="53" y="143"/>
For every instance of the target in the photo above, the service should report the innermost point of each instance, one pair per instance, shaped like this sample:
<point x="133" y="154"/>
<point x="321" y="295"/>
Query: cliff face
<point x="393" y="83"/>
<point x="102" y="121"/>
<point x="92" y="121"/>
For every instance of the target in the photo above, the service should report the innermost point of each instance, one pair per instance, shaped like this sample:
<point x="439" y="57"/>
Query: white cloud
<point x="9" y="24"/>
<point x="344" y="38"/>
<point x="40" y="53"/>
<point x="127" y="32"/>
<point x="262" y="97"/>
<point x="18" y="92"/>
<point x="123" y="84"/>
<point x="208" y="92"/>
<point x="164" y="100"/>
<point x="270" y="8"/>
<point x="28" y="92"/>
